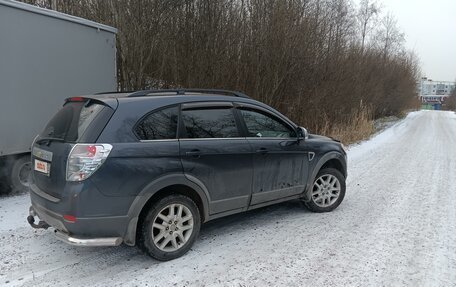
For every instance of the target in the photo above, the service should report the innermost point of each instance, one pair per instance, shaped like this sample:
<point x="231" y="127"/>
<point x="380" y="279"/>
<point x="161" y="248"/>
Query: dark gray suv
<point x="149" y="167"/>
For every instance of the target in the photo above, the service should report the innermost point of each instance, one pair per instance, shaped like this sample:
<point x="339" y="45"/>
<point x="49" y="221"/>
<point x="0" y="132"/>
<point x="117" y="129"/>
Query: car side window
<point x="161" y="124"/>
<point x="261" y="124"/>
<point x="210" y="122"/>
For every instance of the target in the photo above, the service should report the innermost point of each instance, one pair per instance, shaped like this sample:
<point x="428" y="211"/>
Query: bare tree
<point x="389" y="38"/>
<point x="304" y="57"/>
<point x="367" y="18"/>
<point x="451" y="101"/>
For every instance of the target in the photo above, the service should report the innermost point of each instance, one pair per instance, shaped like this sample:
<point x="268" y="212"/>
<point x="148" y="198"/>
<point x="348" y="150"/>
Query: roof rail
<point x="184" y="91"/>
<point x="114" y="92"/>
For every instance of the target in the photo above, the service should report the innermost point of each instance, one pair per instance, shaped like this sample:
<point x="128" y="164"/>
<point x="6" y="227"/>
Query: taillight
<point x="69" y="218"/>
<point x="85" y="159"/>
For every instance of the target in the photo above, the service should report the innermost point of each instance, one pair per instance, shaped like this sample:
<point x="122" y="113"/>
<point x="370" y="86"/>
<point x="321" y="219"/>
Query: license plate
<point x="42" y="166"/>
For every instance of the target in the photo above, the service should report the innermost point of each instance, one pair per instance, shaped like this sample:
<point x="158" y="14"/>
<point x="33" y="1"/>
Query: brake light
<point x="85" y="159"/>
<point x="75" y="99"/>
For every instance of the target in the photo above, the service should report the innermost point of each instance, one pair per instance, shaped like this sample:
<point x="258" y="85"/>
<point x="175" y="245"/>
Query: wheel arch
<point x="334" y="163"/>
<point x="170" y="184"/>
<point x="329" y="160"/>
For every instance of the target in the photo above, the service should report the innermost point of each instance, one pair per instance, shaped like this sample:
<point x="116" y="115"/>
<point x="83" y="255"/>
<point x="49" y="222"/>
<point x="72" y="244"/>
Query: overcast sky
<point x="430" y="31"/>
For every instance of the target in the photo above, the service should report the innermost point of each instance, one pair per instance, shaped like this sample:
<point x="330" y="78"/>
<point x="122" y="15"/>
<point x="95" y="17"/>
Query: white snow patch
<point x="383" y="137"/>
<point x="12" y="212"/>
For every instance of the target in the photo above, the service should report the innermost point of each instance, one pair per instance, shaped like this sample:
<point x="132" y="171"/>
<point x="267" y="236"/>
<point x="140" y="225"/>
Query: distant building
<point x="434" y="93"/>
<point x="427" y="87"/>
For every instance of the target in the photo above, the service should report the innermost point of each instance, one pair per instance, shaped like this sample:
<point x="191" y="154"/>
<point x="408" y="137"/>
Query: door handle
<point x="194" y="153"/>
<point x="262" y="150"/>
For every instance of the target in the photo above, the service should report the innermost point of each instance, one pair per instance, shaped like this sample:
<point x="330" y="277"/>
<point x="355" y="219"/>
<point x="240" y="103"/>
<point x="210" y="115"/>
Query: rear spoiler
<point x="110" y="102"/>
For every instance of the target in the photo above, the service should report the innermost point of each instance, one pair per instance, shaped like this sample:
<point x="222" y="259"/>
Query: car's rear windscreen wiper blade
<point x="48" y="140"/>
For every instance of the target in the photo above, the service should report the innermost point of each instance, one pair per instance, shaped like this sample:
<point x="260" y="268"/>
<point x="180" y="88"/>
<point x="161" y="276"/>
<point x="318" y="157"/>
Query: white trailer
<point x="45" y="57"/>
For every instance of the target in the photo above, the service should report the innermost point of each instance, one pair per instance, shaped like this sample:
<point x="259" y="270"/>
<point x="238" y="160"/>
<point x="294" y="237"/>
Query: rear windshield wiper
<point x="48" y="140"/>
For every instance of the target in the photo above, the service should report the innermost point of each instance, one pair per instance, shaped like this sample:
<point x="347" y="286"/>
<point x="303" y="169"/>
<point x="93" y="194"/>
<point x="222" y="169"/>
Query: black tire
<point x="19" y="173"/>
<point x="313" y="205"/>
<point x="4" y="187"/>
<point x="146" y="242"/>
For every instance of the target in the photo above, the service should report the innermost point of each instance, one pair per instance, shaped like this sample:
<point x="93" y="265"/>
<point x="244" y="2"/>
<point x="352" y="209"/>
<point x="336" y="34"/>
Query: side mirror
<point x="302" y="133"/>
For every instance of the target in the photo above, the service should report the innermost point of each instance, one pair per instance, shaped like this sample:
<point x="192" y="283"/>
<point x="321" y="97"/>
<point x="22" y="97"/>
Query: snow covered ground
<point x="396" y="227"/>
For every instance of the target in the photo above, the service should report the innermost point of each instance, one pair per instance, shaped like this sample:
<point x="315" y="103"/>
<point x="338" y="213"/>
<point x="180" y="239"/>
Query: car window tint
<point x="87" y="115"/>
<point x="262" y="125"/>
<point x="210" y="123"/>
<point x="158" y="125"/>
<point x="72" y="120"/>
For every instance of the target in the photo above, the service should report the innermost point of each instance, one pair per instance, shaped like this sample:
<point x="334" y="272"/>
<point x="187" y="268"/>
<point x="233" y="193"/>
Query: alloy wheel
<point x="172" y="227"/>
<point x="326" y="190"/>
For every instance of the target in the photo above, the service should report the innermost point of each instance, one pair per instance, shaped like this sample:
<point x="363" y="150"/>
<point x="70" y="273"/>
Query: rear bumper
<point x="96" y="216"/>
<point x="48" y="219"/>
<point x="106" y="241"/>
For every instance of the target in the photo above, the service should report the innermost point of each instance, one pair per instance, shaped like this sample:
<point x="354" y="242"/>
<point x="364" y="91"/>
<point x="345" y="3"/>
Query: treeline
<point x="327" y="64"/>
<point x="451" y="101"/>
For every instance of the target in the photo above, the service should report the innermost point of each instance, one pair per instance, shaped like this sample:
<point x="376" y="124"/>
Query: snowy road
<point x="396" y="227"/>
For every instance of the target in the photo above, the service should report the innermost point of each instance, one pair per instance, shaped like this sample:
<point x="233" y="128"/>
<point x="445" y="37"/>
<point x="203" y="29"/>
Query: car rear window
<point x="158" y="125"/>
<point x="72" y="120"/>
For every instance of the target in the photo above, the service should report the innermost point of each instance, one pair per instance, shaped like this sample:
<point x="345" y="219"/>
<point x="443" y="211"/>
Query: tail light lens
<point x="85" y="159"/>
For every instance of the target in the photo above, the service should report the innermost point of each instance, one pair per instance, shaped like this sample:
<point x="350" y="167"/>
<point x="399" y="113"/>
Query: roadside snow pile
<point x="384" y="123"/>
<point x="381" y="138"/>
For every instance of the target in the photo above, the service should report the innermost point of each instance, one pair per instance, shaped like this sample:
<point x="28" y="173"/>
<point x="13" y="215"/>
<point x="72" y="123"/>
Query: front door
<point x="280" y="161"/>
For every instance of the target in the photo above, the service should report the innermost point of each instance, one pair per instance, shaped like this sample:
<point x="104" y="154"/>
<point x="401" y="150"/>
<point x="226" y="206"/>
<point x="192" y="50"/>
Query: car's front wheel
<point x="170" y="227"/>
<point x="327" y="191"/>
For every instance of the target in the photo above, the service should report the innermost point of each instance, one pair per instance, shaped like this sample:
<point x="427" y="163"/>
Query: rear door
<point x="149" y="153"/>
<point x="280" y="161"/>
<point x="213" y="152"/>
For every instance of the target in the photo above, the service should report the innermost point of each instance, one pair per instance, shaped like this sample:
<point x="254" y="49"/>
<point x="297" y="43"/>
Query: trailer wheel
<point x="19" y="173"/>
<point x="4" y="184"/>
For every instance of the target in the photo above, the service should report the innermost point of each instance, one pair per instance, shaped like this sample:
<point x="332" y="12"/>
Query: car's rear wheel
<point x="327" y="191"/>
<point x="170" y="227"/>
